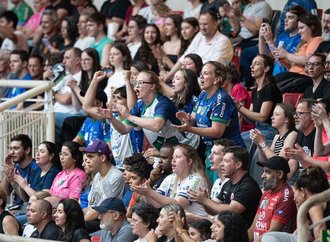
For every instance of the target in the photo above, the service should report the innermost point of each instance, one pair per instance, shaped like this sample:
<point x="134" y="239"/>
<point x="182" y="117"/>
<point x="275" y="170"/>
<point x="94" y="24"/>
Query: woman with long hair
<point x="150" y="40"/>
<point x="185" y="90"/>
<point x="265" y="96"/>
<point x="283" y="121"/>
<point x="214" y="115"/>
<point x="188" y="173"/>
<point x="68" y="183"/>
<point x="89" y="64"/>
<point x="70" y="218"/>
<point x="189" y="29"/>
<point x="135" y="34"/>
<point x="193" y="62"/>
<point x="229" y="227"/>
<point x="120" y="60"/>
<point x="69" y="33"/>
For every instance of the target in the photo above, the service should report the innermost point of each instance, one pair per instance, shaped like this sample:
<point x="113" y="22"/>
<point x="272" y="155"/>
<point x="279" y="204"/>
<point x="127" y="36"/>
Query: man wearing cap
<point x="277" y="210"/>
<point x="114" y="225"/>
<point x="107" y="183"/>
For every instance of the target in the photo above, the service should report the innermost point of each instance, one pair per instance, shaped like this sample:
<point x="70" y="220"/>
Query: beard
<point x="326" y="35"/>
<point x="270" y="184"/>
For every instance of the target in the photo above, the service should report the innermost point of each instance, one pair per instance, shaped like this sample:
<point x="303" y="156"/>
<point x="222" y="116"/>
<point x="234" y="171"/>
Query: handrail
<point x="302" y="228"/>
<point x="15" y="238"/>
<point x="36" y="90"/>
<point x="20" y="83"/>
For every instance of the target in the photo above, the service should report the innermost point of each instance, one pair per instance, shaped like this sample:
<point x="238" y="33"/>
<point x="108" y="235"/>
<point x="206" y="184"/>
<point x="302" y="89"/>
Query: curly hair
<point x="147" y="213"/>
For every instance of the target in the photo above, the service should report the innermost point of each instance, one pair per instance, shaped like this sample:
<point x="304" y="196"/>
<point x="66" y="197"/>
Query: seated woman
<point x="283" y="121"/>
<point x="193" y="62"/>
<point x="265" y="96"/>
<point x="68" y="183"/>
<point x="188" y="173"/>
<point x="150" y="39"/>
<point x="184" y="91"/>
<point x="229" y="226"/>
<point x="189" y="29"/>
<point x="311" y="181"/>
<point x="70" y="218"/>
<point x="310" y="30"/>
<point x="9" y="225"/>
<point x="237" y="91"/>
<point x="214" y="115"/>
<point x="143" y="220"/>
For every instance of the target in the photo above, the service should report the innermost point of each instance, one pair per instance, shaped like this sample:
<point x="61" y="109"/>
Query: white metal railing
<point x="39" y="125"/>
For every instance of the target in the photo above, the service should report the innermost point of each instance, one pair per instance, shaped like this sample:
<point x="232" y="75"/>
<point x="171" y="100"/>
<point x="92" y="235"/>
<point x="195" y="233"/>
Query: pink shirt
<point x="68" y="184"/>
<point x="34" y="20"/>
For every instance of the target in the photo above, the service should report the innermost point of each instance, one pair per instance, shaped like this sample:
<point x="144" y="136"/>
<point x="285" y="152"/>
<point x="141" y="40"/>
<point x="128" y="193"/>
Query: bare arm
<point x="131" y="96"/>
<point x="261" y="116"/>
<point x="174" y="69"/>
<point x="91" y="214"/>
<point x="10" y="225"/>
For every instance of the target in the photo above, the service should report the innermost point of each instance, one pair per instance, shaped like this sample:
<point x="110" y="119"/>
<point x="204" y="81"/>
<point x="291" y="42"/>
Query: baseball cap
<point x="97" y="146"/>
<point x="111" y="203"/>
<point x="276" y="163"/>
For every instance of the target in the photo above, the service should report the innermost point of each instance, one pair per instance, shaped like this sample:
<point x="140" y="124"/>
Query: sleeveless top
<point x="280" y="142"/>
<point x="2" y="217"/>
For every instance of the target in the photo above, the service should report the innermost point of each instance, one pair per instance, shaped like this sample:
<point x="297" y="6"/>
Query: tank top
<point x="280" y="142"/>
<point x="2" y="217"/>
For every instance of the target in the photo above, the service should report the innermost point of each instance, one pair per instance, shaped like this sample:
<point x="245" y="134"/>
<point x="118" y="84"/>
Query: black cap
<point x="276" y="163"/>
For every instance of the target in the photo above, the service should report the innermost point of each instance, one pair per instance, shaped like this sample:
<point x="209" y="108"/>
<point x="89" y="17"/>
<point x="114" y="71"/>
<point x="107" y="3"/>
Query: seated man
<point x="324" y="47"/>
<point x="39" y="214"/>
<point x="114" y="225"/>
<point x="277" y="209"/>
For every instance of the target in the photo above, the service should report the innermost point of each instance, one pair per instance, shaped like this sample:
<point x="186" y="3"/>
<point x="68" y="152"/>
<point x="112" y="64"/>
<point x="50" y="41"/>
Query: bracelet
<point x="240" y="107"/>
<point x="181" y="231"/>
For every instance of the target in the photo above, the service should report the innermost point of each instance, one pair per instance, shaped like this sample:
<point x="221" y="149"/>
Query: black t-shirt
<point x="2" y="217"/>
<point x="80" y="234"/>
<point x="247" y="192"/>
<point x="324" y="47"/>
<point x="322" y="91"/>
<point x="115" y="9"/>
<point x="50" y="232"/>
<point x="306" y="142"/>
<point x="269" y="92"/>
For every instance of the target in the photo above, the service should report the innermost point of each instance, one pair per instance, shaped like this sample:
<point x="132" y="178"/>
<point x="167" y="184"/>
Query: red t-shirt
<point x="276" y="206"/>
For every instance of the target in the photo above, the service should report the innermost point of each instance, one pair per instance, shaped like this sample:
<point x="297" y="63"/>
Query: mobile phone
<point x="265" y="20"/>
<point x="107" y="71"/>
<point x="46" y="43"/>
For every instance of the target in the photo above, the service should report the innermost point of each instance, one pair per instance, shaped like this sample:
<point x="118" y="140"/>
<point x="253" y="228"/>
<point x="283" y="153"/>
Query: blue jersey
<point x="94" y="129"/>
<point x="164" y="108"/>
<point x="188" y="107"/>
<point x="218" y="108"/>
<point x="28" y="174"/>
<point x="15" y="91"/>
<point x="290" y="44"/>
<point x="309" y="5"/>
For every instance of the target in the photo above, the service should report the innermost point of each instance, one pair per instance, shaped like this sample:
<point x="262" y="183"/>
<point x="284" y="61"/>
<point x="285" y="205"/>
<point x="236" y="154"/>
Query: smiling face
<point x="150" y="35"/>
<point x="178" y="82"/>
<point x="305" y="32"/>
<point x="87" y="62"/>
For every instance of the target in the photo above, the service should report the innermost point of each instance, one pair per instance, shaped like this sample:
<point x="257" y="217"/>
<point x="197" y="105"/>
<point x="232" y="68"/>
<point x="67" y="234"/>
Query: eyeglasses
<point x="64" y="154"/>
<point x="140" y="83"/>
<point x="313" y="64"/>
<point x="299" y="114"/>
<point x="327" y="63"/>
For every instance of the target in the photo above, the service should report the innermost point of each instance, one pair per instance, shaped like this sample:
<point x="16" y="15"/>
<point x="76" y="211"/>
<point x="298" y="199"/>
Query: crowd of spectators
<point x="164" y="133"/>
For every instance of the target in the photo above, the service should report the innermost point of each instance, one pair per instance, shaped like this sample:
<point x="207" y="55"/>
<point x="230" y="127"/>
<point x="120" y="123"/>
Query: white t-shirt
<point x="217" y="49"/>
<point x="192" y="12"/>
<point x="63" y="88"/>
<point x="172" y="187"/>
<point x="217" y="186"/>
<point x="84" y="43"/>
<point x="116" y="80"/>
